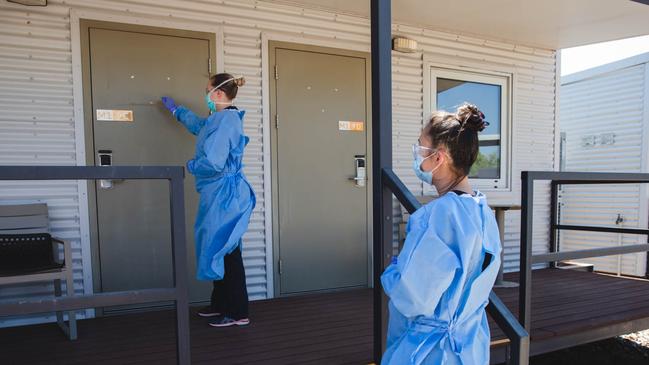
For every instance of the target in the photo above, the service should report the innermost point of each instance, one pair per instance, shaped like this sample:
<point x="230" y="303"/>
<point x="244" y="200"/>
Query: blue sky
<point x="581" y="58"/>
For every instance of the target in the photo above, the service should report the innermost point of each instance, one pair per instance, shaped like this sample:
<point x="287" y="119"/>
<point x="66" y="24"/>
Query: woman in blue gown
<point x="439" y="284"/>
<point x="226" y="198"/>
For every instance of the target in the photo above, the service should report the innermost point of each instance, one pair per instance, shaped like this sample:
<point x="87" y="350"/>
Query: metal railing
<point x="518" y="351"/>
<point x="178" y="294"/>
<point x="527" y="259"/>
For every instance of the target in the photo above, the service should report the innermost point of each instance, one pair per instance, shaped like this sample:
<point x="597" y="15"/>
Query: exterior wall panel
<point x="610" y="103"/>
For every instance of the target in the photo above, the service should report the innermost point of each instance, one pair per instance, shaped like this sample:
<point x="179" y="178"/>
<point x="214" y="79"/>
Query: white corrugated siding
<point x="608" y="103"/>
<point x="37" y="126"/>
<point x="242" y="52"/>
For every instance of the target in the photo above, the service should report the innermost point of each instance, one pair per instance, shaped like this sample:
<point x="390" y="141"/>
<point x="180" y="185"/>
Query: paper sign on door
<point x="106" y="115"/>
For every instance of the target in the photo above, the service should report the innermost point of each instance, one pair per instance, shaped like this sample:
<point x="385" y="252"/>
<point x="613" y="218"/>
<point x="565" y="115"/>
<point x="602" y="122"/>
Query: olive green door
<point x="130" y="70"/>
<point x="320" y="138"/>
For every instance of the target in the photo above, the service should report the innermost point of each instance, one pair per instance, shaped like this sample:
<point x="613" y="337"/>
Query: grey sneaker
<point x="227" y="322"/>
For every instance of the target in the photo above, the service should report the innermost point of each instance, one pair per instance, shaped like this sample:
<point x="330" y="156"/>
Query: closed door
<point x="129" y="72"/>
<point x="320" y="146"/>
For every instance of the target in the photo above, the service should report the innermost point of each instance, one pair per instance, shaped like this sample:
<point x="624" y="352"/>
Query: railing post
<point x="519" y="351"/>
<point x="179" y="252"/>
<point x="381" y="40"/>
<point x="525" y="269"/>
<point x="554" y="218"/>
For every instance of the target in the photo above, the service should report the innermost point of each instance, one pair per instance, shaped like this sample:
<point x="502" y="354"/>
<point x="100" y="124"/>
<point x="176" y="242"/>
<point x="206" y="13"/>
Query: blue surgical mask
<point x="425" y="176"/>
<point x="208" y="100"/>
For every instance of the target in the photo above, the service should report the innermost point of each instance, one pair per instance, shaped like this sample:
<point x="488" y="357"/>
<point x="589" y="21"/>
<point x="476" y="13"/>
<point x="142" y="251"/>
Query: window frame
<point x="502" y="79"/>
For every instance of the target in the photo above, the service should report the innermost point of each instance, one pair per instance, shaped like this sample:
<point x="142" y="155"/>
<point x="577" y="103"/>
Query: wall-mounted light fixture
<point x="405" y="45"/>
<point x="29" y="2"/>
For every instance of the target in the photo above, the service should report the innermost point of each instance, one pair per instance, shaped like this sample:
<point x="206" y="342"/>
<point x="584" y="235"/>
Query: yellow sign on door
<point x="353" y="126"/>
<point x="106" y="115"/>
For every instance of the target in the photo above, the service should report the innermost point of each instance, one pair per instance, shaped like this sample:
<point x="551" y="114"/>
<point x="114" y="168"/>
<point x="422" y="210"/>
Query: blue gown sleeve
<point x="425" y="267"/>
<point x="189" y="119"/>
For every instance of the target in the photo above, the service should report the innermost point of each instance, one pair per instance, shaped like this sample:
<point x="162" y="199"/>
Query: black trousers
<point x="230" y="295"/>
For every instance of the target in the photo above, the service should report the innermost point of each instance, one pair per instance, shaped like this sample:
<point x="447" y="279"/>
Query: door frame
<point x="270" y="134"/>
<point x="84" y="121"/>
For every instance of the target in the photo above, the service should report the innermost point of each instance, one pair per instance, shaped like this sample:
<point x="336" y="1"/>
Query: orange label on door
<point x="353" y="126"/>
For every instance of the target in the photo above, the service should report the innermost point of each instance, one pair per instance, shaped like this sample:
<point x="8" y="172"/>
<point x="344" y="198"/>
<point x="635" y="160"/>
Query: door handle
<point x="361" y="175"/>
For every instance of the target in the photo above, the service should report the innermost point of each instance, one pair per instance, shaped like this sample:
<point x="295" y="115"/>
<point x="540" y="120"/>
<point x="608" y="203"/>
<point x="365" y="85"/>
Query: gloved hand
<point x="169" y="103"/>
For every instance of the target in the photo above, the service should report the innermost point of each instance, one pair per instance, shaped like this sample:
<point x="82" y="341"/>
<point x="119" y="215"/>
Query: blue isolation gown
<point x="226" y="197"/>
<point x="438" y="288"/>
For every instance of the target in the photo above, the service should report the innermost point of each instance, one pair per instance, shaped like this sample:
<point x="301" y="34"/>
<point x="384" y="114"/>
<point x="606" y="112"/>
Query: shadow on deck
<point x="568" y="308"/>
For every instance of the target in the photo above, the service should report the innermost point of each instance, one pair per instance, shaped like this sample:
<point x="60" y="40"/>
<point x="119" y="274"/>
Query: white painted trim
<point x="267" y="155"/>
<point x="79" y="120"/>
<point x="428" y="105"/>
<point x="513" y="98"/>
<point x="220" y="51"/>
<point x="339" y="44"/>
<point x="643" y="213"/>
<point x="505" y="184"/>
<point x="175" y="24"/>
<point x="267" y="37"/>
<point x="557" y="106"/>
<point x="80" y="146"/>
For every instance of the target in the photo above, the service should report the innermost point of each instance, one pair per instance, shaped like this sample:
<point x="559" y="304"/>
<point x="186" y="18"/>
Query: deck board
<point x="333" y="328"/>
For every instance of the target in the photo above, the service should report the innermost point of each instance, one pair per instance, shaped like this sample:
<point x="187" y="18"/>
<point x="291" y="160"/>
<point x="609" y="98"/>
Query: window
<point x="490" y="92"/>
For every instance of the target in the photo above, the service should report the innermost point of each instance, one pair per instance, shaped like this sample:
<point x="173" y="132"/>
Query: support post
<point x="381" y="159"/>
<point x="554" y="220"/>
<point x="525" y="269"/>
<point x="500" y="220"/>
<point x="500" y="279"/>
<point x="179" y="252"/>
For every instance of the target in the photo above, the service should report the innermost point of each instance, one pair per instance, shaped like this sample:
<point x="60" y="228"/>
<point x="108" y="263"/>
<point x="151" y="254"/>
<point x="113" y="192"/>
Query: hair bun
<point x="240" y="81"/>
<point x="470" y="117"/>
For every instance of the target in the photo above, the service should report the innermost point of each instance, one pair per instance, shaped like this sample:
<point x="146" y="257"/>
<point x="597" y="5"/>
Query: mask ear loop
<point x="221" y="84"/>
<point x="426" y="158"/>
<point x="217" y="102"/>
<point x="434" y="168"/>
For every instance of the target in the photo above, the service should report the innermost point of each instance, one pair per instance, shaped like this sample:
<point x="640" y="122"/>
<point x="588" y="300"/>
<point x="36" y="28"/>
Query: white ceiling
<point x="546" y="23"/>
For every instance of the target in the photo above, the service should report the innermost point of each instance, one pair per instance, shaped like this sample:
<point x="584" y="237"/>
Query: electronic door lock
<point x="105" y="159"/>
<point x="361" y="174"/>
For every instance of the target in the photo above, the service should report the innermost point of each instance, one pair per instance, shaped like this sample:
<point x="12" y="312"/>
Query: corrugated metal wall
<point x="242" y="52"/>
<point x="37" y="94"/>
<point x="37" y="126"/>
<point x="593" y="111"/>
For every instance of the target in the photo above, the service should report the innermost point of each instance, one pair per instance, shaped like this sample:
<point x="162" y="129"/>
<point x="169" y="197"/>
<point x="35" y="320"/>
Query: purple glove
<point x="169" y="103"/>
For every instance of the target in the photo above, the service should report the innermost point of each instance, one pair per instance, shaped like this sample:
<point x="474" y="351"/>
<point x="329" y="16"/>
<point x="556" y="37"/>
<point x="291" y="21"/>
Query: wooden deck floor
<point x="570" y="308"/>
<point x="333" y="328"/>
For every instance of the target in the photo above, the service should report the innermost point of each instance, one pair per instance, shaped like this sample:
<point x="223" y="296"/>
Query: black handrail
<point x="399" y="189"/>
<point x="527" y="259"/>
<point x="519" y="348"/>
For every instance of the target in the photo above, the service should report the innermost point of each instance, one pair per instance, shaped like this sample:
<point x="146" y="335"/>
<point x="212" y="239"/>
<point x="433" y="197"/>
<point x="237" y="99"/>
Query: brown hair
<point x="229" y="88"/>
<point x="458" y="133"/>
